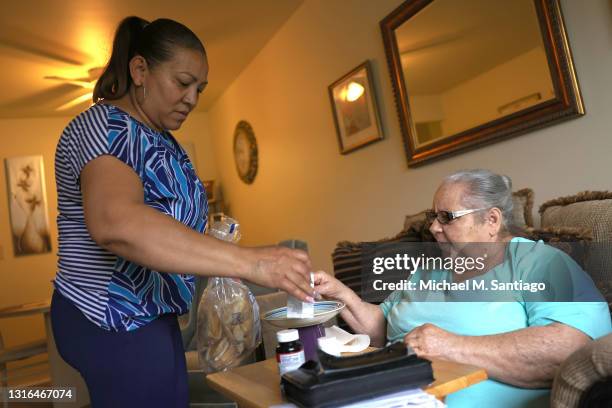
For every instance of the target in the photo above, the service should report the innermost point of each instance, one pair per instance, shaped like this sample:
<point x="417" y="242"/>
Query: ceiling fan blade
<point x="95" y="73"/>
<point x="82" y="82"/>
<point x="39" y="103"/>
<point x="76" y="101"/>
<point x="61" y="78"/>
<point x="21" y="40"/>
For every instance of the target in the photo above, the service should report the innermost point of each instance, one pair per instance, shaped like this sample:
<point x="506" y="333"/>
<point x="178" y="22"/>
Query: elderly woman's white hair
<point x="485" y="189"/>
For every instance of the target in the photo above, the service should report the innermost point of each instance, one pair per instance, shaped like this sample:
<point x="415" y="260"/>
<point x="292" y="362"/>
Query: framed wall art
<point x="28" y="205"/>
<point x="355" y="110"/>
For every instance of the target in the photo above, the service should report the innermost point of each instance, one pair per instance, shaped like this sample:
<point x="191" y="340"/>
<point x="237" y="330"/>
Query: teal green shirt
<point x="526" y="260"/>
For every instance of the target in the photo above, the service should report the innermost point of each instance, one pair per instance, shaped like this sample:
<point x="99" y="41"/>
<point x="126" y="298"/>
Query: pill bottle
<point x="289" y="352"/>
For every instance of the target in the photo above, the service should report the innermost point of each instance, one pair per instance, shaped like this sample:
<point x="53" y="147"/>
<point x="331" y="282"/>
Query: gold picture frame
<point x="453" y="83"/>
<point x="355" y="109"/>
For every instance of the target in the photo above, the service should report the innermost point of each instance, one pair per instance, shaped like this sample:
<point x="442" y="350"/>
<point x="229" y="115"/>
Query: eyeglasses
<point x="445" y="217"/>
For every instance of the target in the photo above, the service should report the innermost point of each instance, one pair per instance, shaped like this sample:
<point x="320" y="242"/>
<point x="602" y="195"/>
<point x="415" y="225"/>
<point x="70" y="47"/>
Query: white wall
<point x="426" y="108"/>
<point x="306" y="189"/>
<point x="196" y="130"/>
<point x="476" y="101"/>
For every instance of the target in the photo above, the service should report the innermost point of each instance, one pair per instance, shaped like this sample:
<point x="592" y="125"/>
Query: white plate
<point x="323" y="311"/>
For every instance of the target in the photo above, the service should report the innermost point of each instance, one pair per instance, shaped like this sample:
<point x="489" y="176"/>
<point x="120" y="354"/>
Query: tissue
<point x="337" y="341"/>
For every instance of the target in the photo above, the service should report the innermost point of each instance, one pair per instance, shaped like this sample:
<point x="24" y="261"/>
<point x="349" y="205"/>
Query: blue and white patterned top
<point x="113" y="292"/>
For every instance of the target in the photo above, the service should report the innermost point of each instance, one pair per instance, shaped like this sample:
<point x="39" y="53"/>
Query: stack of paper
<point x="415" y="398"/>
<point x="409" y="399"/>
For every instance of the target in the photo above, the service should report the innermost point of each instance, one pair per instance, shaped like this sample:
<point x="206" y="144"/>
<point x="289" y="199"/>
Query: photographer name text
<point x="468" y="285"/>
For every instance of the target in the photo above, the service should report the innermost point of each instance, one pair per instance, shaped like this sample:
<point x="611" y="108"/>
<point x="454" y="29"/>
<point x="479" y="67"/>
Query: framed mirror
<point x="472" y="72"/>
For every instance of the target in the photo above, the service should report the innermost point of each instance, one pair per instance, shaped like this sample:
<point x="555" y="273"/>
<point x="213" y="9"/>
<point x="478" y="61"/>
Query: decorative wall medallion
<point x="245" y="152"/>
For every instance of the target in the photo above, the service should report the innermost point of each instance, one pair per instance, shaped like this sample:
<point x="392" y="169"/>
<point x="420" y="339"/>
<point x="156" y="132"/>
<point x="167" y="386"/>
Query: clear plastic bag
<point x="229" y="328"/>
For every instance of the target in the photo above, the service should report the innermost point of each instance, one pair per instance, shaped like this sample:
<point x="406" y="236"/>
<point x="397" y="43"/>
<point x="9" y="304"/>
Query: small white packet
<point x="296" y="309"/>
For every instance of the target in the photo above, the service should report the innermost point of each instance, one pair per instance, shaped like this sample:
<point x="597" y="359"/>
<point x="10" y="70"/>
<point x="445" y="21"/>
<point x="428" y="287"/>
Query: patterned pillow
<point x="591" y="210"/>
<point x="523" y="207"/>
<point x="573" y="241"/>
<point x="414" y="218"/>
<point x="579" y="372"/>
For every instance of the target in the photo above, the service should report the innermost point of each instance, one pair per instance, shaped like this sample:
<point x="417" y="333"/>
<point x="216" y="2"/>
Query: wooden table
<point x="25" y="309"/>
<point x="24" y="350"/>
<point x="21" y="351"/>
<point x="258" y="385"/>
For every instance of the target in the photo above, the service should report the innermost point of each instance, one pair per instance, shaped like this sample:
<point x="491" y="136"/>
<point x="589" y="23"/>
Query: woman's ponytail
<point x="115" y="80"/>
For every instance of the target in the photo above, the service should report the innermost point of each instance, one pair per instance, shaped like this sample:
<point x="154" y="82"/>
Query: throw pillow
<point x="587" y="210"/>
<point x="573" y="241"/>
<point x="522" y="201"/>
<point x="585" y="367"/>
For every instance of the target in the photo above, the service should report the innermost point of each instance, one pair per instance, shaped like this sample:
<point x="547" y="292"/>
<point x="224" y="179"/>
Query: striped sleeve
<point x="85" y="139"/>
<point x="95" y="133"/>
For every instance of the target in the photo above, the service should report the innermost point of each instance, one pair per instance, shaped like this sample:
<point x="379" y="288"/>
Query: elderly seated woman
<point x="520" y="343"/>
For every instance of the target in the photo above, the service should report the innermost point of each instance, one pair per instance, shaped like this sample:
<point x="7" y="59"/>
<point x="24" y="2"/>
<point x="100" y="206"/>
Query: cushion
<point x="414" y="218"/>
<point x="522" y="201"/>
<point x="573" y="241"/>
<point x="590" y="210"/>
<point x="580" y="371"/>
<point x="559" y="234"/>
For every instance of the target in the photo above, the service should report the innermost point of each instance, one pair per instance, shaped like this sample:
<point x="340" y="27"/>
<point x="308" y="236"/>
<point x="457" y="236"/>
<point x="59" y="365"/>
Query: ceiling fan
<point x="75" y="73"/>
<point x="87" y="83"/>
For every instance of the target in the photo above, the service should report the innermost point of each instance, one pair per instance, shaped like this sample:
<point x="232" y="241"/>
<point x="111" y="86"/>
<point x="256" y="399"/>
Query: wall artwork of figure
<point x="28" y="205"/>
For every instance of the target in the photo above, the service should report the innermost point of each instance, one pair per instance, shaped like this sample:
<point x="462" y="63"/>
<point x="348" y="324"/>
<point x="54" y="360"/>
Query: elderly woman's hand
<point x="430" y="341"/>
<point x="329" y="287"/>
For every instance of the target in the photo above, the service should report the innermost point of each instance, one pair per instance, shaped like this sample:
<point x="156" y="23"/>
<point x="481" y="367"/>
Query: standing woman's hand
<point x="282" y="268"/>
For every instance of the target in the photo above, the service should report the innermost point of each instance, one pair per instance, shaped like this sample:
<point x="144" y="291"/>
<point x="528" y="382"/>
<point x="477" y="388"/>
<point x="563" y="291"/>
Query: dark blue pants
<point x="141" y="368"/>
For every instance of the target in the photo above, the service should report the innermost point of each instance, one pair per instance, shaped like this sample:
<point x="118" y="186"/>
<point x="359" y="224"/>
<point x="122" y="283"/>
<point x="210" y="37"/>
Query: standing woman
<point x="132" y="213"/>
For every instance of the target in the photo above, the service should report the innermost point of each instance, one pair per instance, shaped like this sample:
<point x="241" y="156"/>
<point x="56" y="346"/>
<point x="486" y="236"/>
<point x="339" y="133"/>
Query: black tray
<point x="335" y="381"/>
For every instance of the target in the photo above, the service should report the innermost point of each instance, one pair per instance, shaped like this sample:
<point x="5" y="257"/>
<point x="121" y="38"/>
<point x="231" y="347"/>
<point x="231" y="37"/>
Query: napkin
<point x="337" y="341"/>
